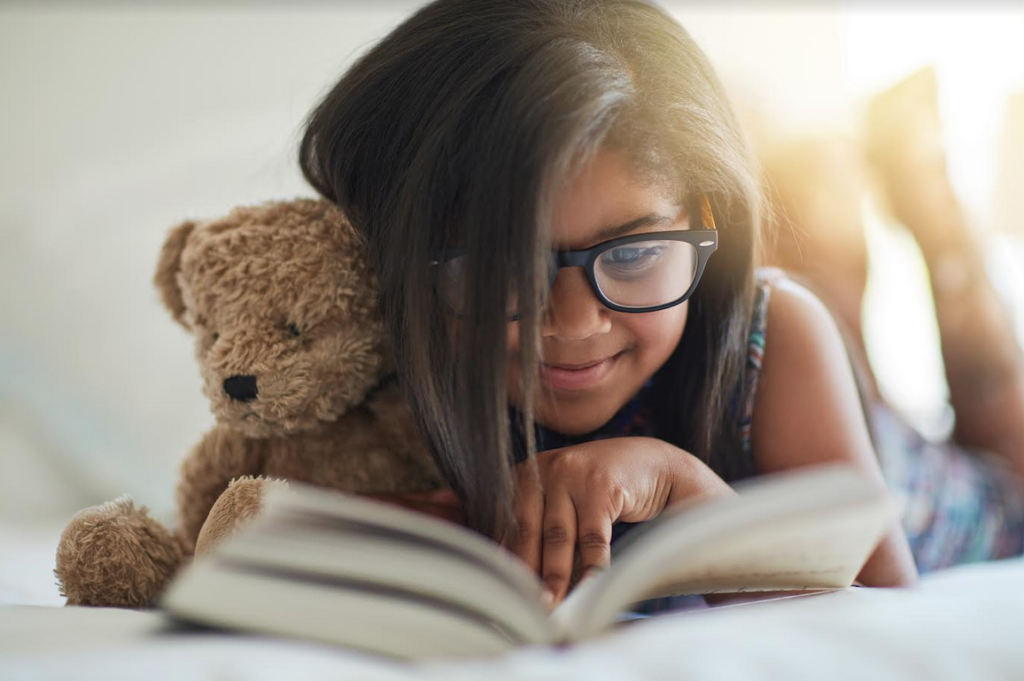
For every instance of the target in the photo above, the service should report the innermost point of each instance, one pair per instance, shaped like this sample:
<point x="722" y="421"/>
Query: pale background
<point x="120" y="121"/>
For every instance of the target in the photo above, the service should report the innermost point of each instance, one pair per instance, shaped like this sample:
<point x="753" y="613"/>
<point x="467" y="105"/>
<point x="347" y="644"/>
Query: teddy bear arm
<point x="220" y="457"/>
<point x="239" y="503"/>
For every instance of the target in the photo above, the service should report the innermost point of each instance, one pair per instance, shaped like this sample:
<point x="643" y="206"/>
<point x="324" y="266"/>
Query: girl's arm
<point x="807" y="411"/>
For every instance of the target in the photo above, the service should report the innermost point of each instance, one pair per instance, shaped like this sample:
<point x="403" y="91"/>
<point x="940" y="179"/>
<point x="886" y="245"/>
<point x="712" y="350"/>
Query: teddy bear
<point x="282" y="305"/>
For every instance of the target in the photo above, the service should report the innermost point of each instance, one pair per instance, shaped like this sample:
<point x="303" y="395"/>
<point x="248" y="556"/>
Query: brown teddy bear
<point x="290" y="344"/>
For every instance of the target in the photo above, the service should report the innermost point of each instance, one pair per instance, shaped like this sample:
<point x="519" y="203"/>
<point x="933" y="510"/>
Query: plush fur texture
<point x="137" y="554"/>
<point x="239" y="503"/>
<point x="283" y="309"/>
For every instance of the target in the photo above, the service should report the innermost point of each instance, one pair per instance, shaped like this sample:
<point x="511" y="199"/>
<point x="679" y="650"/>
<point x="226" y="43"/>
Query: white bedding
<point x="960" y="624"/>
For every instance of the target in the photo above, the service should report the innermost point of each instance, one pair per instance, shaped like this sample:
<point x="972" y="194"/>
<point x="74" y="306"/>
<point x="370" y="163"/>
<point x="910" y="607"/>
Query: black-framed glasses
<point x="636" y="273"/>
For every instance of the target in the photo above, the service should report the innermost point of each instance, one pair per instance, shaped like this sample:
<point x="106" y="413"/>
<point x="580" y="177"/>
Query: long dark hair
<point x="460" y="127"/>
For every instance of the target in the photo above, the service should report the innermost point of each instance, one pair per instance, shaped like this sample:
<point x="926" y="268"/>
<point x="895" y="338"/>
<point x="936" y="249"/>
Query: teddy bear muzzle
<point x="241" y="388"/>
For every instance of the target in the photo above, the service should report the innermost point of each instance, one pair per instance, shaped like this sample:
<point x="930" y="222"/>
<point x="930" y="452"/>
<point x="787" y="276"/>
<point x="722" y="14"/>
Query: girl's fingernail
<point x="547" y="598"/>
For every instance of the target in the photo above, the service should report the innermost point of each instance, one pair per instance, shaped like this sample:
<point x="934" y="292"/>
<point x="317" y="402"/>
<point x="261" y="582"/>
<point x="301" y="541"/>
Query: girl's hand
<point x="583" y="489"/>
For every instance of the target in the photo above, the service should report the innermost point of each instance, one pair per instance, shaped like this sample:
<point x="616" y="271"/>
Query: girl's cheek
<point x="660" y="332"/>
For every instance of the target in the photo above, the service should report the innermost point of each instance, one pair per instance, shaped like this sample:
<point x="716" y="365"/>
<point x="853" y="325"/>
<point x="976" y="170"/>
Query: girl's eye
<point x="621" y="256"/>
<point x="294" y="330"/>
<point x="630" y="257"/>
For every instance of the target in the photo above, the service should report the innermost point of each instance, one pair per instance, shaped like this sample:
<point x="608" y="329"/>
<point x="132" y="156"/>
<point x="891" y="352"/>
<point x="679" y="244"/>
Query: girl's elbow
<point x="891" y="565"/>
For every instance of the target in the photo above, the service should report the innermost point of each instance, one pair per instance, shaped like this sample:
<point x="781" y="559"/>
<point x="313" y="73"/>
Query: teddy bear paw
<point x="116" y="555"/>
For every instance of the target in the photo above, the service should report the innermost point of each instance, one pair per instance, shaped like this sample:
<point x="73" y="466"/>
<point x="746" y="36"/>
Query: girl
<point x="564" y="219"/>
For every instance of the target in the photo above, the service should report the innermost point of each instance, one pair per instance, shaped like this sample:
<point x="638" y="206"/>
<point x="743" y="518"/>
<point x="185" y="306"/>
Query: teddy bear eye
<point x="293" y="329"/>
<point x="215" y="336"/>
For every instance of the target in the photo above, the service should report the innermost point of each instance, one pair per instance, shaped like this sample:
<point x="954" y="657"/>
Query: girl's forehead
<point x="608" y="198"/>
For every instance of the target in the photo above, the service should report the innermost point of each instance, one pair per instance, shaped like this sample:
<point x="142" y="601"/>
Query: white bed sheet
<point x="966" y="623"/>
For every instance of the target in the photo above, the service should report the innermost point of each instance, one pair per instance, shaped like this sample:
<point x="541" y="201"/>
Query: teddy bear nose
<point x="241" y="388"/>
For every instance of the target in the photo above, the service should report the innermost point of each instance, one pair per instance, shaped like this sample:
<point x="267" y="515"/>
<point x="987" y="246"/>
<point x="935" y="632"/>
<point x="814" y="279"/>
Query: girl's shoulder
<point x="806" y="408"/>
<point x="795" y="316"/>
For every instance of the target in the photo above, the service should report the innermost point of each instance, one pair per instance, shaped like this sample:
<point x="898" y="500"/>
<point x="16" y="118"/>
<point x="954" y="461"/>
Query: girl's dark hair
<point x="460" y="127"/>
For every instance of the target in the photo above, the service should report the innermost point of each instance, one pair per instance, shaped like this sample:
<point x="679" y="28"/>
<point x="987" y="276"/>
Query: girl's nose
<point x="573" y="312"/>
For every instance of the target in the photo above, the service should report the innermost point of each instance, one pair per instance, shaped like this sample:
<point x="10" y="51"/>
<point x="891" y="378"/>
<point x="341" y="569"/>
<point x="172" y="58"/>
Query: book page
<point x="258" y="601"/>
<point x="806" y="529"/>
<point x="797" y="553"/>
<point x="367" y="543"/>
<point x="364" y="558"/>
<point x="306" y="501"/>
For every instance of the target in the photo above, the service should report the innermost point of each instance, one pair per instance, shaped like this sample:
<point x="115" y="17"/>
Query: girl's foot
<point x="903" y="142"/>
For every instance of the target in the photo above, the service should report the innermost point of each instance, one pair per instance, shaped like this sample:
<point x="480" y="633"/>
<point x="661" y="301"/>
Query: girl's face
<point x="596" y="359"/>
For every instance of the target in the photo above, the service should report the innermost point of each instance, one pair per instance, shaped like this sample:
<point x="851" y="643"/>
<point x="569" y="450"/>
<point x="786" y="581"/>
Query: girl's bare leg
<point x="984" y="363"/>
<point x="818" y="186"/>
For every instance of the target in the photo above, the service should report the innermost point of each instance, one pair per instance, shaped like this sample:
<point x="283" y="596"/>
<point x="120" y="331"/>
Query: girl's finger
<point x="595" y="535"/>
<point x="528" y="513"/>
<point x="559" y="543"/>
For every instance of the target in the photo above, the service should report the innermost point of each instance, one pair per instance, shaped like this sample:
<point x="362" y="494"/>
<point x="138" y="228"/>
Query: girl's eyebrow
<point x="651" y="220"/>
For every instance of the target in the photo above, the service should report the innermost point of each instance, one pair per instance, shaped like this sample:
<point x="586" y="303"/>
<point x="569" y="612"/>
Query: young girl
<point x="564" y="219"/>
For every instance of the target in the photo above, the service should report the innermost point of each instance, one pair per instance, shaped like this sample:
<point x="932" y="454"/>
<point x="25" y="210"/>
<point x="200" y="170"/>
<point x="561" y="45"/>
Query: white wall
<point x="117" y="124"/>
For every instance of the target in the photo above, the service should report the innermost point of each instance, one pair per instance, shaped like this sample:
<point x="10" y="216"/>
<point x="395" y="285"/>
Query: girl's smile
<point x="570" y="377"/>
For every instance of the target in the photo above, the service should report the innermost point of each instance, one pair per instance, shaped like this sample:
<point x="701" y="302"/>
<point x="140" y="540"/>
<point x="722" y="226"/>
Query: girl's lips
<point x="579" y="376"/>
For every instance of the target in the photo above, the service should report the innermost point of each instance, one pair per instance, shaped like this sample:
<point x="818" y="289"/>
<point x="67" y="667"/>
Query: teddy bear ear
<point x="168" y="267"/>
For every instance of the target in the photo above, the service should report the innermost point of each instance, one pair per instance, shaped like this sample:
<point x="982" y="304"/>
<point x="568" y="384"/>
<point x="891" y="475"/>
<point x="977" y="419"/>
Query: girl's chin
<point x="579" y="418"/>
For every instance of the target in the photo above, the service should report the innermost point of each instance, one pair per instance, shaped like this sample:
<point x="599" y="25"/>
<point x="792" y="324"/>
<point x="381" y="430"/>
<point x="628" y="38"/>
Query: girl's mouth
<point x="578" y="376"/>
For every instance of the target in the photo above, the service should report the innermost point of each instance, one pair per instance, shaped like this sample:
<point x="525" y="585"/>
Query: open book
<point x="338" y="568"/>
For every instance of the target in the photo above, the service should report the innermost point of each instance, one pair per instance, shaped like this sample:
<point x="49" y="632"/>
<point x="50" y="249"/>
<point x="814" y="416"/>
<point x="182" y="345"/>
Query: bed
<point x="964" y="623"/>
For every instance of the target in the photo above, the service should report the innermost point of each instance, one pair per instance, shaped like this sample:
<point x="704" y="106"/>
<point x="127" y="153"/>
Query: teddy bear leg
<point x="115" y="555"/>
<point x="234" y="508"/>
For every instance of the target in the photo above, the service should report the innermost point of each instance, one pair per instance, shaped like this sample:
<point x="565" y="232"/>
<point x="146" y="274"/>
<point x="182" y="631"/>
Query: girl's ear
<point x="167" y="269"/>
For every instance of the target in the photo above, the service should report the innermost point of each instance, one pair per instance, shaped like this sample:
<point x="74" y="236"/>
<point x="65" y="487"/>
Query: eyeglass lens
<point x="646" y="273"/>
